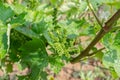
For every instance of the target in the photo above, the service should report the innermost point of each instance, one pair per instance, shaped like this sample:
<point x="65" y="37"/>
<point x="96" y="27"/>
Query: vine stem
<point x="106" y="28"/>
<point x="92" y="10"/>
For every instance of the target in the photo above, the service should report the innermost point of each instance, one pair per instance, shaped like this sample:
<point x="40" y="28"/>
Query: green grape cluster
<point x="58" y="42"/>
<point x="61" y="44"/>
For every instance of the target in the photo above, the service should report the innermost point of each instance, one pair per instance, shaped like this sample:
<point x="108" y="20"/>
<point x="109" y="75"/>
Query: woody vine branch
<point x="104" y="30"/>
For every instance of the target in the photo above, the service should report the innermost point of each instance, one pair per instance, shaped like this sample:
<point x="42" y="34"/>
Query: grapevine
<point x="41" y="35"/>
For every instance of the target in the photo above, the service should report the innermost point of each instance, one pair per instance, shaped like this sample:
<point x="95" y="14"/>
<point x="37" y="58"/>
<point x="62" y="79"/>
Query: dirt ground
<point x="68" y="72"/>
<point x="75" y="71"/>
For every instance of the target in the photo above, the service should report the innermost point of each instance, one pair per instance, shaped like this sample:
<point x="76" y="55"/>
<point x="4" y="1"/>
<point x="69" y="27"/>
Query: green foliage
<point x="115" y="4"/>
<point x="3" y="40"/>
<point x="6" y="13"/>
<point x="38" y="35"/>
<point x="111" y="58"/>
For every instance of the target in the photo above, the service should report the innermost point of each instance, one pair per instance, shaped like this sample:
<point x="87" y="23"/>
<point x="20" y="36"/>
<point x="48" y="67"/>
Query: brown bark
<point x="107" y="27"/>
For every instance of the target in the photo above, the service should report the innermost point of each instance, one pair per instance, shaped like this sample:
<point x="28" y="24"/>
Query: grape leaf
<point x="27" y="31"/>
<point x="40" y="27"/>
<point x="116" y="4"/>
<point x="19" y="19"/>
<point x="3" y="40"/>
<point x="18" y="8"/>
<point x="34" y="53"/>
<point x="56" y="63"/>
<point x="110" y="57"/>
<point x="5" y="13"/>
<point x="37" y="73"/>
<point x="117" y="39"/>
